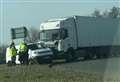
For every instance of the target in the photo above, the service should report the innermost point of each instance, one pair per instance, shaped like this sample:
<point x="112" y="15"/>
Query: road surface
<point x="108" y="68"/>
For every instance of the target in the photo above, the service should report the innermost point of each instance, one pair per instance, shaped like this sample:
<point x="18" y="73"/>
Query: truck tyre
<point x="98" y="56"/>
<point x="87" y="55"/>
<point x="71" y="55"/>
<point x="68" y="58"/>
<point x="106" y="55"/>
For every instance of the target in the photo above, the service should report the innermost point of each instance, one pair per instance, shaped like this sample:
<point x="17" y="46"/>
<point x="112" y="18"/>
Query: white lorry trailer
<point x="88" y="37"/>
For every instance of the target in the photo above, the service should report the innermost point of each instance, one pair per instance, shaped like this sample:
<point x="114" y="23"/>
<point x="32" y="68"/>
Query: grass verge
<point x="42" y="73"/>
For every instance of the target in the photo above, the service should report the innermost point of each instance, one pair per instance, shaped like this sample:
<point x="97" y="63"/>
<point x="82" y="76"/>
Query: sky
<point x="31" y="13"/>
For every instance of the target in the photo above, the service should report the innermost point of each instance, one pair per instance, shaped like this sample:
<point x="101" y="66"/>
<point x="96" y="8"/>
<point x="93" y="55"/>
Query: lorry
<point x="81" y="36"/>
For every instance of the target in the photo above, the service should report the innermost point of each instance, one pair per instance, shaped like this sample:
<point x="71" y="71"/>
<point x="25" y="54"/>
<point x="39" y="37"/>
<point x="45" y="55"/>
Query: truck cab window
<point x="50" y="35"/>
<point x="56" y="36"/>
<point x="53" y="34"/>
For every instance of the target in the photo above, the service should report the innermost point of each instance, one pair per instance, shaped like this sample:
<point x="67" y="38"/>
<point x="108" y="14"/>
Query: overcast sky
<point x="30" y="13"/>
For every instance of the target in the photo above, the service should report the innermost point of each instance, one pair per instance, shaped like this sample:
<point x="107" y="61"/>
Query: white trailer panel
<point x="97" y="31"/>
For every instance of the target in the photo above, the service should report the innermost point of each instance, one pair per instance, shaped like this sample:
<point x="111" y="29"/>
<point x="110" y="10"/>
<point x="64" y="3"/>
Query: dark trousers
<point x="12" y="62"/>
<point x="23" y="58"/>
<point x="13" y="59"/>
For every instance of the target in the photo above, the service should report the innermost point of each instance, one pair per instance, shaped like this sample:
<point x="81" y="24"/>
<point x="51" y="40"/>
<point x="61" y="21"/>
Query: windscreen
<point x="50" y="35"/>
<point x="33" y="46"/>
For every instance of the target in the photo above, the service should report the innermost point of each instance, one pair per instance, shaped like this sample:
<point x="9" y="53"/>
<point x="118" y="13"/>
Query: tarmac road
<point x="105" y="67"/>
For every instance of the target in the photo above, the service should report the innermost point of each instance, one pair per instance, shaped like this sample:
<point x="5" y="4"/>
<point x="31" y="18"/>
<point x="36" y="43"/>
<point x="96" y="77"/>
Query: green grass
<point x="42" y="73"/>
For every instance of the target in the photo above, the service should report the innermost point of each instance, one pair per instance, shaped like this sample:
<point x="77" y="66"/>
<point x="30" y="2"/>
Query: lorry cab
<point x="89" y="37"/>
<point x="54" y="33"/>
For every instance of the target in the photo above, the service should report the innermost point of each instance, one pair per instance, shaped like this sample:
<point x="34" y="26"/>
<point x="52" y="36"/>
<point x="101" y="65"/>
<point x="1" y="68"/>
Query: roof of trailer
<point x="57" y="19"/>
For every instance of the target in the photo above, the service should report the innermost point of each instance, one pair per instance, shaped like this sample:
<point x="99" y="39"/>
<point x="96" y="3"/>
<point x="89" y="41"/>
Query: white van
<point x="36" y="52"/>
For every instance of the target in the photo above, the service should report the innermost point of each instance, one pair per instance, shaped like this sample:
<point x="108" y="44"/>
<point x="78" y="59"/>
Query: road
<point x="108" y="68"/>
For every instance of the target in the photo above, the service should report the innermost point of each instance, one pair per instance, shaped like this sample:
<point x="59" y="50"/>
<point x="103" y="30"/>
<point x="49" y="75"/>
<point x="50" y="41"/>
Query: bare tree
<point x="105" y="14"/>
<point x="33" y="35"/>
<point x="114" y="12"/>
<point x="96" y="13"/>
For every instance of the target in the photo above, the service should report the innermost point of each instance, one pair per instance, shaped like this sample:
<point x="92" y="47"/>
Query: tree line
<point x="114" y="12"/>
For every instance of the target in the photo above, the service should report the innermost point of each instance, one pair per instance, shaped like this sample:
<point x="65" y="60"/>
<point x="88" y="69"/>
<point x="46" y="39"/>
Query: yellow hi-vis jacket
<point x="22" y="47"/>
<point x="12" y="52"/>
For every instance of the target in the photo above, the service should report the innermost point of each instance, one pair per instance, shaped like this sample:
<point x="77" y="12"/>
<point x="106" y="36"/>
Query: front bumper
<point x="44" y="52"/>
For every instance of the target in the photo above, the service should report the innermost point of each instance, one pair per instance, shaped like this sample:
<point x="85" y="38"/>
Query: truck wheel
<point x="87" y="56"/>
<point x="71" y="55"/>
<point x="98" y="56"/>
<point x="68" y="57"/>
<point x="106" y="55"/>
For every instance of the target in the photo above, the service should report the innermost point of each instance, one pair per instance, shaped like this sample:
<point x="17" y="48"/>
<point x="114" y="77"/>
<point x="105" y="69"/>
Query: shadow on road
<point x="61" y="62"/>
